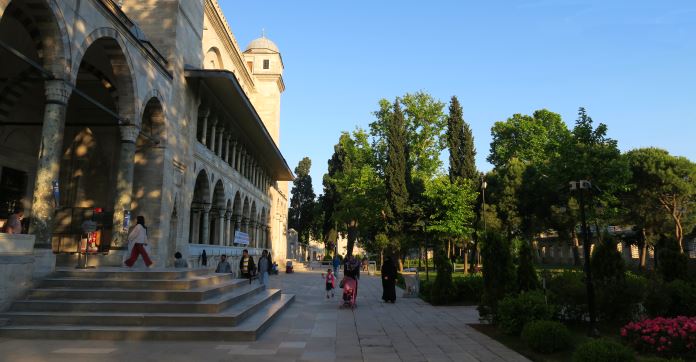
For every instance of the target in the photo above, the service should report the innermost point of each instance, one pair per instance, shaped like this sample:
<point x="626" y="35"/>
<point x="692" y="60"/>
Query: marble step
<point x="128" y="274"/>
<point x="197" y="294"/>
<point x="248" y="330"/>
<point x="141" y="284"/>
<point x="228" y="317"/>
<point x="213" y="305"/>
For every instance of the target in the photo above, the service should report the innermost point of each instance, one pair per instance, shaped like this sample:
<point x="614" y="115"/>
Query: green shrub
<point x="517" y="310"/>
<point x="527" y="278"/>
<point x="469" y="288"/>
<point x="603" y="350"/>
<point x="442" y="291"/>
<point x="671" y="299"/>
<point x="619" y="299"/>
<point x="660" y="359"/>
<point x="569" y="294"/>
<point x="498" y="272"/>
<point x="546" y="336"/>
<point x="672" y="264"/>
<point x="606" y="262"/>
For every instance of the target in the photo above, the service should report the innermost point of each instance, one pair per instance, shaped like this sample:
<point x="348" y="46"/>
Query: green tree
<point x="359" y="191"/>
<point x="498" y="272"/>
<point x="395" y="170"/>
<point x="460" y="141"/>
<point x="660" y="181"/>
<point x="450" y="208"/>
<point x="302" y="204"/>
<point x="531" y="139"/>
<point x="526" y="273"/>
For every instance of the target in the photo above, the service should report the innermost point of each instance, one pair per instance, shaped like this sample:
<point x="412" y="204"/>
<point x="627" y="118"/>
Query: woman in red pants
<point x="137" y="240"/>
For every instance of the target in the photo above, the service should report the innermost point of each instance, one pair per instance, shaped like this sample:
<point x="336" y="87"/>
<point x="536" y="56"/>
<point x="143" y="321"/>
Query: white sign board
<point x="241" y="238"/>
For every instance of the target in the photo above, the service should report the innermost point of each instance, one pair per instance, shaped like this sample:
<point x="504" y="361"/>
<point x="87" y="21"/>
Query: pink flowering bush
<point x="664" y="336"/>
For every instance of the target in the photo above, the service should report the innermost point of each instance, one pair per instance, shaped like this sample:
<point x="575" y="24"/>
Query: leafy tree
<point x="662" y="181"/>
<point x="450" y="206"/>
<point x="460" y="141"/>
<point x="425" y="125"/>
<point x="302" y="204"/>
<point x="591" y="155"/>
<point x="530" y="139"/>
<point x="359" y="188"/>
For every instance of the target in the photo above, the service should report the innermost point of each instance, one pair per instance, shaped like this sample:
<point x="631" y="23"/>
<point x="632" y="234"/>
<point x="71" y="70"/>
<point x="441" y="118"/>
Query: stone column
<point x="221" y="228"/>
<point x="47" y="171"/>
<point x="205" y="112"/>
<point x="233" y="160"/>
<point x="228" y="217"/>
<point x="227" y="148"/>
<point x="192" y="221"/>
<point x="213" y="123"/>
<point x="244" y="163"/>
<point x="221" y="131"/>
<point x="124" y="186"/>
<point x="206" y="227"/>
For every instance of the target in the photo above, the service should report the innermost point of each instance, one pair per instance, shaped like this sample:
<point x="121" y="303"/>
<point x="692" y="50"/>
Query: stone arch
<point x="200" y="206"/>
<point x="148" y="170"/>
<point x="213" y="59"/>
<point x="117" y="53"/>
<point x="48" y="31"/>
<point x="217" y="214"/>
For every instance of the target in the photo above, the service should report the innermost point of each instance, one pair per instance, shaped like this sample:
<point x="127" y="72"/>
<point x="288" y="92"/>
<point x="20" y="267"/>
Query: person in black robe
<point x="388" y="280"/>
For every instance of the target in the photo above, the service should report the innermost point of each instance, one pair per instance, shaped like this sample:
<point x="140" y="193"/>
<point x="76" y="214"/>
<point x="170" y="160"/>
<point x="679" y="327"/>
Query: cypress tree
<point x="396" y="169"/>
<point x="460" y="141"/>
<point x="301" y="213"/>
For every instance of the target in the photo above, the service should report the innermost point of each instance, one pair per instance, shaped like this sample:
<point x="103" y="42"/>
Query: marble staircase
<point x="119" y="304"/>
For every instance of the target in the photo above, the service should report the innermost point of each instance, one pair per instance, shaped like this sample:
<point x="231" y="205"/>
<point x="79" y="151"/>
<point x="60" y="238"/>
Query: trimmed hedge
<point x="546" y="336"/>
<point x="603" y="350"/>
<point x="517" y="310"/>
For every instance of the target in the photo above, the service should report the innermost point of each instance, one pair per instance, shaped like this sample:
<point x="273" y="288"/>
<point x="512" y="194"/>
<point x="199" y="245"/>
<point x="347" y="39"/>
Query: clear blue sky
<point x="632" y="64"/>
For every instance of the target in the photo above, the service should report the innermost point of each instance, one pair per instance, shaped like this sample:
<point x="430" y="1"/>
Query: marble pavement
<point x="312" y="329"/>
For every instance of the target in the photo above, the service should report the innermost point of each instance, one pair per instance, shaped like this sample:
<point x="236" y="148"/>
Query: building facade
<point x="113" y="109"/>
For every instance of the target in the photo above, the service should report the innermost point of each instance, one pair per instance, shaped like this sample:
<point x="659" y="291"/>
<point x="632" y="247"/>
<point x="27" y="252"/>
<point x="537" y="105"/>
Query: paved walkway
<point x="312" y="329"/>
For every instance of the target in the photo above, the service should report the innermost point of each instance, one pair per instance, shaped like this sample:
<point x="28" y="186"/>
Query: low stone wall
<point x="16" y="267"/>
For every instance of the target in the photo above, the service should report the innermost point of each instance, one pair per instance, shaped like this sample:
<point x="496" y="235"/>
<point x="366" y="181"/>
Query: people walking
<point x="247" y="267"/>
<point x="330" y="283"/>
<point x="137" y="241"/>
<point x="336" y="263"/>
<point x="265" y="266"/>
<point x="13" y="225"/>
<point x="179" y="261"/>
<point x="389" y="280"/>
<point x="223" y="265"/>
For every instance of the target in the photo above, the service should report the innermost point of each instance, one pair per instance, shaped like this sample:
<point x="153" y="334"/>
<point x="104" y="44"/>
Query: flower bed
<point x="664" y="336"/>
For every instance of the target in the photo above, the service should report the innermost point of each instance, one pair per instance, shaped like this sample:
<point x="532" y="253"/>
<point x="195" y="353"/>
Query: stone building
<point x="114" y="109"/>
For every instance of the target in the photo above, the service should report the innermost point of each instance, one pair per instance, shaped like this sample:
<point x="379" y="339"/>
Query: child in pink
<point x="330" y="283"/>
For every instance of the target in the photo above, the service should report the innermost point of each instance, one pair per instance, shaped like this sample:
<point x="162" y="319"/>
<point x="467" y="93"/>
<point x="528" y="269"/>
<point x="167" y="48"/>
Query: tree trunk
<point x="427" y="269"/>
<point x="576" y="248"/>
<point x="643" y="245"/>
<point x="465" y="262"/>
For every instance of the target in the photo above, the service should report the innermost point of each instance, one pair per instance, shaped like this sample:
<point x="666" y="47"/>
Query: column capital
<point x="213" y="121"/>
<point x="129" y="133"/>
<point x="57" y="92"/>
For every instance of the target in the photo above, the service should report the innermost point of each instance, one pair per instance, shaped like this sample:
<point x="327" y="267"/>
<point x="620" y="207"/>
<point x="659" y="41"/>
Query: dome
<point x="263" y="43"/>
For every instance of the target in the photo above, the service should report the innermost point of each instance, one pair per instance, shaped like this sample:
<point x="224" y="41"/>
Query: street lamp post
<point x="582" y="186"/>
<point x="484" y="184"/>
